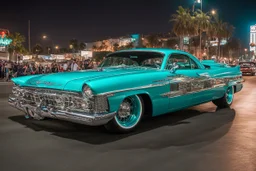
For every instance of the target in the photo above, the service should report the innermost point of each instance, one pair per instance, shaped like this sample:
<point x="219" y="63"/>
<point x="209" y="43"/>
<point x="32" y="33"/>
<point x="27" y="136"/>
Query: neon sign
<point x="4" y="41"/>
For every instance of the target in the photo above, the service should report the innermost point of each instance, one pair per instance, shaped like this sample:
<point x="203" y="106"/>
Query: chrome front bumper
<point x="82" y="118"/>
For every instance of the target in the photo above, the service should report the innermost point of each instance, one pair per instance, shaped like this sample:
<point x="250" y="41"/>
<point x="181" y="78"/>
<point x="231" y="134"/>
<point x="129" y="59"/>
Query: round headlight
<point x="87" y="92"/>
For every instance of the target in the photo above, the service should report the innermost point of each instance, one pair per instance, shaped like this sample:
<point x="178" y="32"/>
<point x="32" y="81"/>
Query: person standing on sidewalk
<point x="74" y="66"/>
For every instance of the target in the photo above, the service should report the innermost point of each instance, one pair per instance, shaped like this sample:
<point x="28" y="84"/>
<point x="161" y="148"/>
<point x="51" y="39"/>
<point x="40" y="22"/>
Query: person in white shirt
<point x="65" y="67"/>
<point x="74" y="66"/>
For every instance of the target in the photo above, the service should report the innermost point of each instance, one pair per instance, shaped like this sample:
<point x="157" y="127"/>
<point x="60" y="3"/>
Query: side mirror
<point x="174" y="68"/>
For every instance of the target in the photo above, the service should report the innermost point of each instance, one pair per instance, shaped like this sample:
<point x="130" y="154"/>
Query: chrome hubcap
<point x="125" y="110"/>
<point x="129" y="112"/>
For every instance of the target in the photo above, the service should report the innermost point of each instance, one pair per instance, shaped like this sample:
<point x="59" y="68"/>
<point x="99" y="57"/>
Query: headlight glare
<point x="87" y="92"/>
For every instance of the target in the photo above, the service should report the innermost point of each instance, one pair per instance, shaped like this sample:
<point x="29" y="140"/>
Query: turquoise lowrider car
<point x="127" y="85"/>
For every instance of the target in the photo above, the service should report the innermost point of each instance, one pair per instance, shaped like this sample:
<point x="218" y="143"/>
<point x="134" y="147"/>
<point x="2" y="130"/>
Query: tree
<point x="170" y="43"/>
<point x="37" y="49"/>
<point x="103" y="46"/>
<point x="233" y="45"/>
<point x="116" y="46"/>
<point x="153" y="40"/>
<point x="184" y="24"/>
<point x="16" y="45"/>
<point x="82" y="46"/>
<point x="202" y="20"/>
<point x="63" y="50"/>
<point x="74" y="45"/>
<point x="94" y="48"/>
<point x="221" y="30"/>
<point x="195" y="42"/>
<point x="48" y="49"/>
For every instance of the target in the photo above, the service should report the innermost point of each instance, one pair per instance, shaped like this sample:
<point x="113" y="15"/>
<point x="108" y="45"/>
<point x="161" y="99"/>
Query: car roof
<point x="160" y="50"/>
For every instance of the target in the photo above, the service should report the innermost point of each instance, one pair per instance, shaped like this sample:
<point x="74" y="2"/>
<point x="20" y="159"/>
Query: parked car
<point x="248" y="68"/>
<point x="127" y="85"/>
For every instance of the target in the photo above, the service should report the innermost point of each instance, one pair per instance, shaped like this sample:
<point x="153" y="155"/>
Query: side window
<point x="183" y="61"/>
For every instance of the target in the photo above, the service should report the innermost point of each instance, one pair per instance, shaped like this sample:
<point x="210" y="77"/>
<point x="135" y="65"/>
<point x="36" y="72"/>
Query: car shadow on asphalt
<point x="180" y="128"/>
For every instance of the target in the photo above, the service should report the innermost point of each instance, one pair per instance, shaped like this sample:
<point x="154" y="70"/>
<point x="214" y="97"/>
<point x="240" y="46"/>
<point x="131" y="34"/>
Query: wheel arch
<point x="116" y="100"/>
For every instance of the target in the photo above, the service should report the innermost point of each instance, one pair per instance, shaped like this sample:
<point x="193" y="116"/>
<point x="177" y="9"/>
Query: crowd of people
<point x="9" y="70"/>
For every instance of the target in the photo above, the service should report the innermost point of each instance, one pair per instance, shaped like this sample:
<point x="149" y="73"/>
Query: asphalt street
<point x="201" y="138"/>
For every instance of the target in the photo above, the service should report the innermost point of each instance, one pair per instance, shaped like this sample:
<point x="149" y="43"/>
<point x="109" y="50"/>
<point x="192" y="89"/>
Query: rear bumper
<point x="247" y="72"/>
<point x="82" y="118"/>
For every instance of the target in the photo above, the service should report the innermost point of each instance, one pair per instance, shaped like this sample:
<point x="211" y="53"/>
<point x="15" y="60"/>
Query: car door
<point x="190" y="81"/>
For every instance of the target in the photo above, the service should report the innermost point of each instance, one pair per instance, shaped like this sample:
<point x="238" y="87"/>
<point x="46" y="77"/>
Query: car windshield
<point x="133" y="59"/>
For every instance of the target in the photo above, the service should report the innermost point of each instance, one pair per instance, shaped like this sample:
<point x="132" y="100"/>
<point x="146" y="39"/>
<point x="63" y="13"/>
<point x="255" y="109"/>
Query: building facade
<point x="253" y="37"/>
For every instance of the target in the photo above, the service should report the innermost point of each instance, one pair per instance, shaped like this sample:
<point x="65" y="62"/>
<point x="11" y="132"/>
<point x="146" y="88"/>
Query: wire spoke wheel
<point x="230" y="95"/>
<point x="129" y="112"/>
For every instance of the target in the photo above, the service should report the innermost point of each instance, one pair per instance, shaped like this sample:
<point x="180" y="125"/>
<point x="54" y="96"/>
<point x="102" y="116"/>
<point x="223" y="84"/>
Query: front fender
<point x="117" y="99"/>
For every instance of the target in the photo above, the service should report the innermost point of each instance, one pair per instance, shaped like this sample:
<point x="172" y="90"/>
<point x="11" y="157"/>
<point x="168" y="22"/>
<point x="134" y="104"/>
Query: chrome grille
<point x="48" y="99"/>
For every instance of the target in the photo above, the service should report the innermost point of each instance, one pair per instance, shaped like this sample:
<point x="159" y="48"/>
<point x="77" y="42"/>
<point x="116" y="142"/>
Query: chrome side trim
<point x="174" y="79"/>
<point x="173" y="94"/>
<point x="135" y="88"/>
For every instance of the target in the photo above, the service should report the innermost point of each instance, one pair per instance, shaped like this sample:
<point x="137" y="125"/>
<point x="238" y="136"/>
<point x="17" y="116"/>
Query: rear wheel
<point x="128" y="115"/>
<point x="226" y="100"/>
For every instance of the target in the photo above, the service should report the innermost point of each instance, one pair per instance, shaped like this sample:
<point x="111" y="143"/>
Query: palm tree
<point x="82" y="46"/>
<point x="103" y="46"/>
<point x="153" y="40"/>
<point x="129" y="45"/>
<point x="221" y="30"/>
<point x="195" y="42"/>
<point x="203" y="24"/>
<point x="170" y="43"/>
<point x="94" y="48"/>
<point x="232" y="45"/>
<point x="37" y="49"/>
<point x="16" y="45"/>
<point x="184" y="24"/>
<point x="115" y="46"/>
<point x="74" y="44"/>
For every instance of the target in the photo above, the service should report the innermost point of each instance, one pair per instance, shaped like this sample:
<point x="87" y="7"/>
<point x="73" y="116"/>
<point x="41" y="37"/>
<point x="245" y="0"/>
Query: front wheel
<point x="128" y="116"/>
<point x="226" y="100"/>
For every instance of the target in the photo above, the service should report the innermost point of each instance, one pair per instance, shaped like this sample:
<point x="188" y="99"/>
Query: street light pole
<point x="201" y="5"/>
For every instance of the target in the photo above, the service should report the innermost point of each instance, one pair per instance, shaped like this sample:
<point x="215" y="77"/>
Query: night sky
<point x="91" y="20"/>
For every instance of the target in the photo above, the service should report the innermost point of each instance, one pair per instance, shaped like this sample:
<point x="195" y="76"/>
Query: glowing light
<point x="56" y="47"/>
<point x="44" y="37"/>
<point x="5" y="41"/>
<point x="213" y="12"/>
<point x="198" y="1"/>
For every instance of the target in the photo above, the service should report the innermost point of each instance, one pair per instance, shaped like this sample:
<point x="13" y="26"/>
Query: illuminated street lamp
<point x="198" y="2"/>
<point x="44" y="37"/>
<point x="56" y="47"/>
<point x="213" y="12"/>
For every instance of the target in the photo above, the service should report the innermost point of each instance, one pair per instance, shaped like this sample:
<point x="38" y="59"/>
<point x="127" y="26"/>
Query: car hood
<point x="60" y="80"/>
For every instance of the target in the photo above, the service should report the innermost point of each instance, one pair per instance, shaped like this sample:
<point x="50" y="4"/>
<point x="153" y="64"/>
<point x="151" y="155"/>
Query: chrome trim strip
<point x="173" y="94"/>
<point x="51" y="90"/>
<point x="170" y="80"/>
<point x="136" y="88"/>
